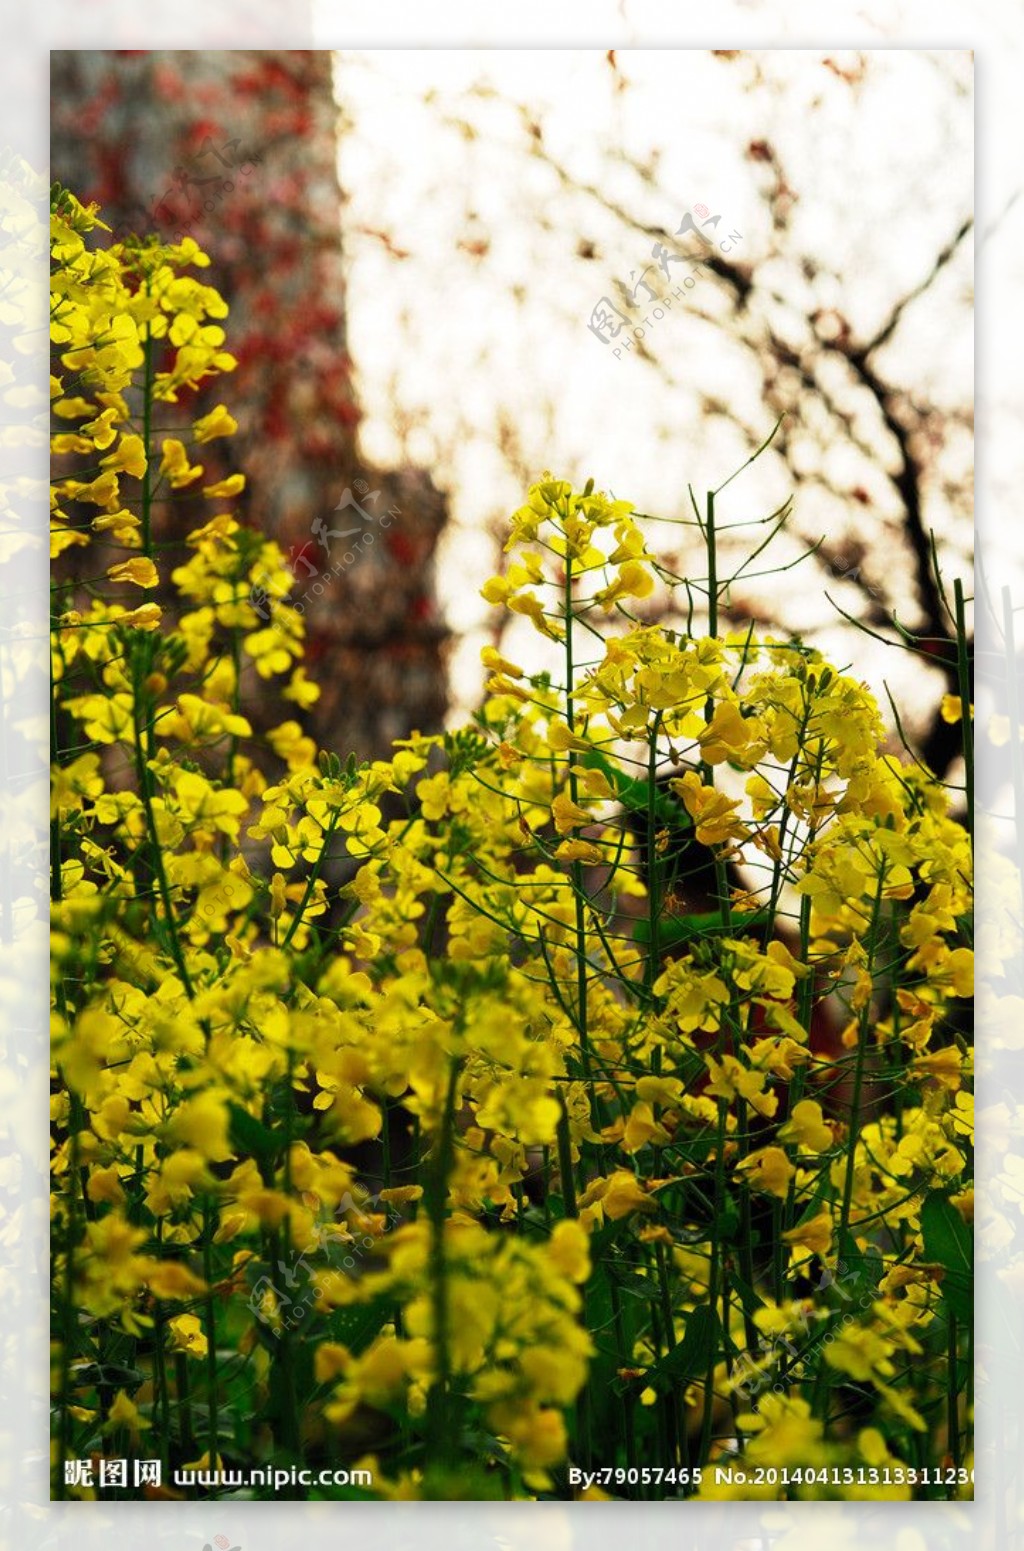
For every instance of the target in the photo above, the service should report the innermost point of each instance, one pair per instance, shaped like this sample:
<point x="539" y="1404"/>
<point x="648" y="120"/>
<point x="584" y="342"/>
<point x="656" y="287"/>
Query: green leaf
<point x="949" y="1242"/>
<point x="727" y="1220"/>
<point x="358" y="1324"/>
<point x="673" y="931"/>
<point x="748" y="1296"/>
<point x="635" y="794"/>
<point x="691" y="1357"/>
<point x="252" y="1136"/>
<point x="605" y="1390"/>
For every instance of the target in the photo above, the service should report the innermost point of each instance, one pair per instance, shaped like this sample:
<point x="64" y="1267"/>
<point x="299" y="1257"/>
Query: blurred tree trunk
<point x="238" y="150"/>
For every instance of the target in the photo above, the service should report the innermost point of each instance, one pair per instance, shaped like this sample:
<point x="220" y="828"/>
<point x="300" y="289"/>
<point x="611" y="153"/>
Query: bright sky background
<point x="470" y="342"/>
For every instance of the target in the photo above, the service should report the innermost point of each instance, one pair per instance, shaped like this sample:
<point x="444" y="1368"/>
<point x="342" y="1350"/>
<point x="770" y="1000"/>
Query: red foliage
<point x="401" y="547"/>
<point x="167" y="83"/>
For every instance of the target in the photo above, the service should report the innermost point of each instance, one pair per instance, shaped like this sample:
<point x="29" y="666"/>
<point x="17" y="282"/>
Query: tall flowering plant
<point x="423" y="1121"/>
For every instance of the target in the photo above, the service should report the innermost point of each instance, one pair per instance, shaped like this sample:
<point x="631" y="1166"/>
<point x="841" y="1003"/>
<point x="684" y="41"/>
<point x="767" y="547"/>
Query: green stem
<point x="952" y="1390"/>
<point x="746" y="1248"/>
<point x="667" y="1411"/>
<point x="654" y="900"/>
<point x="233" y="741"/>
<point x="144" y="778"/>
<point x="778" y="1250"/>
<point x="440" y="1442"/>
<point x="311" y="881"/>
<point x="623" y="1358"/>
<point x="576" y="868"/>
<point x="727" y="1350"/>
<point x="963" y="668"/>
<point x="713" y="1272"/>
<point x="711" y="544"/>
<point x="564" y="1139"/>
<point x="147" y="434"/>
<point x="571" y="1209"/>
<point x="290" y="1428"/>
<point x="162" y="1396"/>
<point x="184" y="1403"/>
<point x="68" y="1319"/>
<point x="211" y="1331"/>
<point x="863" y="1029"/>
<point x="677" y="1426"/>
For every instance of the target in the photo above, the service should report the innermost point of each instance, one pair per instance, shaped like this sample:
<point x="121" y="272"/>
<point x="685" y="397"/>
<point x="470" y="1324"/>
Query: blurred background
<point x="450" y="271"/>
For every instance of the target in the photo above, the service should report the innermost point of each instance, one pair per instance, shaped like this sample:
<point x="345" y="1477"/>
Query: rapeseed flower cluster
<point x="409" y="1111"/>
